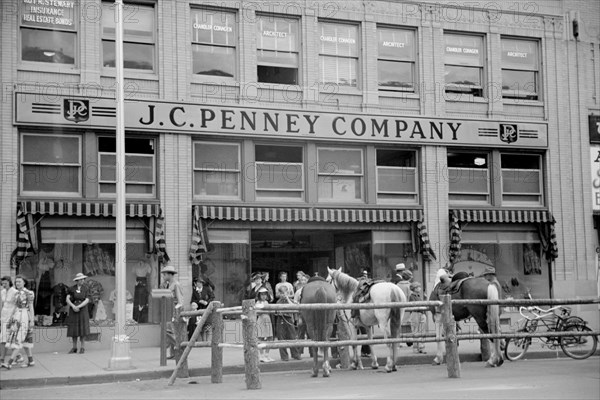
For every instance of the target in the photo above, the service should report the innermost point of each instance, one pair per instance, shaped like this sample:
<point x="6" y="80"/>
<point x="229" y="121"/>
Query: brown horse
<point x="319" y="323"/>
<point x="487" y="317"/>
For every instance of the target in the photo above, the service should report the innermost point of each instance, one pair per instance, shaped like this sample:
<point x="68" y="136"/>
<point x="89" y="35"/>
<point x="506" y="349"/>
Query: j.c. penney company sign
<point x="276" y="123"/>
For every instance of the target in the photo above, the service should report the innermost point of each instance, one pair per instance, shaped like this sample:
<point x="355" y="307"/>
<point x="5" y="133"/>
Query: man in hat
<point x="398" y="277"/>
<point x="255" y="284"/>
<point x="443" y="274"/>
<point x="490" y="274"/>
<point x="169" y="282"/>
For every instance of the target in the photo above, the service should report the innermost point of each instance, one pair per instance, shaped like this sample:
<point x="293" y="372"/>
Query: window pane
<point x="519" y="54"/>
<point x="211" y="60"/>
<point x="48" y="46"/>
<point x="520" y="161"/>
<point x="338" y="39"/>
<point x="111" y="188"/>
<point x="50" y="179"/>
<point x="467" y="180"/>
<point x="398" y="180"/>
<point x="283" y="154"/>
<point x="135" y="55"/>
<point x="279" y="176"/>
<point x="261" y="194"/>
<point x="463" y="49"/>
<point x="132" y="145"/>
<point x="339" y="70"/>
<point x="467" y="160"/>
<point x="276" y="34"/>
<point x="216" y="156"/>
<point x="395" y="158"/>
<point x="213" y="27"/>
<point x="395" y="74"/>
<point x="138" y="22"/>
<point x="139" y="169"/>
<point x="463" y="75"/>
<point x="107" y="167"/>
<point x="519" y="81"/>
<point x="277" y="58"/>
<point x="50" y="149"/>
<point x="396" y="44"/>
<point x="217" y="183"/>
<point x="343" y="162"/>
<point x="520" y="181"/>
<point x="280" y="75"/>
<point x="340" y="189"/>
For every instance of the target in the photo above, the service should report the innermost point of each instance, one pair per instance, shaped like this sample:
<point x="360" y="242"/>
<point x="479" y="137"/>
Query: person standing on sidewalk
<point x="20" y="329"/>
<point x="78" y="321"/>
<point x="169" y="282"/>
<point x="285" y="328"/>
<point x="417" y="318"/>
<point x="263" y="324"/>
<point x="7" y="302"/>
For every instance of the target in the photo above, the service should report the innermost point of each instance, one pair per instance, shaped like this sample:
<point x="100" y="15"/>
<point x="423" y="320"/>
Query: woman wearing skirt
<point x="78" y="322"/>
<point x="20" y="326"/>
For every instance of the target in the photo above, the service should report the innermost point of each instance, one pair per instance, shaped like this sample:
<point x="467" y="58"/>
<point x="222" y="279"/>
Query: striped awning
<point x="273" y="214"/>
<point x="503" y="216"/>
<point x="87" y="209"/>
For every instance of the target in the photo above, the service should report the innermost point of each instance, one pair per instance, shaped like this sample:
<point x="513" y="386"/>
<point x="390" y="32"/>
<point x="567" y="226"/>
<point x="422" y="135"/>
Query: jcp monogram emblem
<point x="76" y="110"/>
<point x="509" y="133"/>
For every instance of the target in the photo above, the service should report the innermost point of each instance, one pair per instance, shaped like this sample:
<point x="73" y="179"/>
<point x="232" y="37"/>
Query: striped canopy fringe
<point x="455" y="233"/>
<point x="23" y="243"/>
<point x="426" y="250"/>
<point x="199" y="243"/>
<point x="159" y="237"/>
<point x="548" y="240"/>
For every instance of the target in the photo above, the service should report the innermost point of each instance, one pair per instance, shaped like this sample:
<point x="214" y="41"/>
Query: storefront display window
<point x="339" y="53"/>
<point x="277" y="50"/>
<point x="468" y="177"/>
<point x="49" y="36"/>
<point x="396" y="59"/>
<point x="521" y="179"/>
<point x="214" y="40"/>
<point x="340" y="174"/>
<point x="464" y="59"/>
<point x="139" y="36"/>
<point x="520" y="69"/>
<point x="397" y="178"/>
<point x="279" y="172"/>
<point x="50" y="164"/>
<point x="217" y="170"/>
<point x="391" y="248"/>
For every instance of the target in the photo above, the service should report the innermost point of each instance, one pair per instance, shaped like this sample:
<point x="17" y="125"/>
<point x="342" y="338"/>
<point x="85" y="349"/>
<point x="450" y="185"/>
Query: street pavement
<point x="561" y="378"/>
<point x="91" y="367"/>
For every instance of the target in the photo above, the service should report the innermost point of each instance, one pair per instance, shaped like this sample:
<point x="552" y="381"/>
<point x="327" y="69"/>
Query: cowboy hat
<point x="79" y="276"/>
<point x="263" y="289"/>
<point x="400" y="267"/>
<point x="489" y="271"/>
<point x="406" y="275"/>
<point x="168" y="269"/>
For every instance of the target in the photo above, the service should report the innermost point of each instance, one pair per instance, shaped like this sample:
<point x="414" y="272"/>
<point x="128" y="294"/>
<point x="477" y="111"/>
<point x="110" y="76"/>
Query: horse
<point x="388" y="320"/>
<point x="319" y="323"/>
<point x="487" y="317"/>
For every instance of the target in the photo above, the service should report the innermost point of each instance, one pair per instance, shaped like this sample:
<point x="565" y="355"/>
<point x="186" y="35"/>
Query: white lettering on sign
<point x="274" y="34"/>
<point x="337" y="39"/>
<point x="209" y="27"/>
<point x="595" y="163"/>
<point x="516" y="54"/>
<point x="392" y="44"/>
<point x="51" y="12"/>
<point x="462" y="50"/>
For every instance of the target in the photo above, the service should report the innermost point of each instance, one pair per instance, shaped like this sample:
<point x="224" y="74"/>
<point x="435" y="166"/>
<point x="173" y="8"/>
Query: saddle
<point x="362" y="294"/>
<point x="453" y="287"/>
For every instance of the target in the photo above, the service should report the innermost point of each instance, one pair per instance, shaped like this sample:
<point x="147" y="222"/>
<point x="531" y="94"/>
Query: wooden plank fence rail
<point x="347" y="306"/>
<point x="530" y="302"/>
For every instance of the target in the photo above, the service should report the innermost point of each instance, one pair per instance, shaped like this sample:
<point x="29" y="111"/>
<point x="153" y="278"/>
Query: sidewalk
<point x="77" y="369"/>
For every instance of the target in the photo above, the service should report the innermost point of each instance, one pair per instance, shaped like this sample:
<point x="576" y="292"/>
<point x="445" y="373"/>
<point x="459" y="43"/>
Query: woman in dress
<point x="263" y="323"/>
<point x="78" y="321"/>
<point x="20" y="326"/>
<point x="7" y="300"/>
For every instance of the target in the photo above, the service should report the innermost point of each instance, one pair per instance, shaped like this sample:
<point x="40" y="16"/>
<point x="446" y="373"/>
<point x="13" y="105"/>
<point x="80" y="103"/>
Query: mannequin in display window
<point x="140" y="296"/>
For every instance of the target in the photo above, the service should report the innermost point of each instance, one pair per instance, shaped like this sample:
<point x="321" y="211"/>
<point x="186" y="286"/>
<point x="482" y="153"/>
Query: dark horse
<point x="487" y="317"/>
<point x="319" y="323"/>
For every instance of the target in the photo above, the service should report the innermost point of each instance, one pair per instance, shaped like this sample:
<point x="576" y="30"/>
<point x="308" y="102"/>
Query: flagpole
<point x="120" y="356"/>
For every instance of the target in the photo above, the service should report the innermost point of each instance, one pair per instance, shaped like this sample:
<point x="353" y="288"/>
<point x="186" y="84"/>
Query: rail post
<point x="452" y="360"/>
<point x="163" y="331"/>
<point x="216" y="366"/>
<point x="250" y="345"/>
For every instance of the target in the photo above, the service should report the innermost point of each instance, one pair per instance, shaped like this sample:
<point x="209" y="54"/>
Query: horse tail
<point x="396" y="313"/>
<point x="493" y="319"/>
<point x="320" y="317"/>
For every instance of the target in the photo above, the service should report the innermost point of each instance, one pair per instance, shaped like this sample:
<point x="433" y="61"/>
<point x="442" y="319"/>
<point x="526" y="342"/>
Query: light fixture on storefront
<point x="479" y="161"/>
<point x="49" y="53"/>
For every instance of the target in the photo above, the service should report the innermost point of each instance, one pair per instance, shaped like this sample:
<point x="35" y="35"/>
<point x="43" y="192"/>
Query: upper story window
<point x="520" y="69"/>
<point x="51" y="165"/>
<point x="217" y="170"/>
<point x="396" y="59"/>
<point x="279" y="172"/>
<point x="340" y="174"/>
<point x="397" y="178"/>
<point x="338" y="53"/>
<point x="140" y="166"/>
<point x="278" y="45"/>
<point x="214" y="40"/>
<point x="521" y="178"/>
<point x="464" y="59"/>
<point x="468" y="176"/>
<point x="139" y="36"/>
<point x="49" y="31"/>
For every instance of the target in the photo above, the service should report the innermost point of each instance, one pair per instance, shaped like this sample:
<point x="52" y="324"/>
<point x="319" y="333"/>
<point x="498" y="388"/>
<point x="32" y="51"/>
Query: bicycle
<point x="576" y="347"/>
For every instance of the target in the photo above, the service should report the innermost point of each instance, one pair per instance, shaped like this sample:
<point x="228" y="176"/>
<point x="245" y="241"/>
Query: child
<point x="263" y="324"/>
<point x="417" y="318"/>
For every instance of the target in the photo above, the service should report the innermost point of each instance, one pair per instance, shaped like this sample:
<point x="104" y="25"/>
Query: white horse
<point x="387" y="319"/>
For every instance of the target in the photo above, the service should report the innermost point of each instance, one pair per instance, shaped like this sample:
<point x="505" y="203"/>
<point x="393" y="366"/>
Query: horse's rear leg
<point x="326" y="366"/>
<point x="374" y="363"/>
<point x="439" y="331"/>
<point x="315" y="363"/>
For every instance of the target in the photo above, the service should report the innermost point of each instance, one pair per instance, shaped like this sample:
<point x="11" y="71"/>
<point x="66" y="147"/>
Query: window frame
<point x="217" y="170"/>
<point x="541" y="185"/>
<point x="24" y="192"/>
<point x="297" y="52"/>
<point x="337" y="175"/>
<point x="302" y="166"/>
<point x="403" y="197"/>
<point x="464" y="89"/>
<point x="357" y="59"/>
<point x="523" y="94"/>
<point x="153" y="42"/>
<point x="398" y="60"/>
<point x="489" y="195"/>
<point x="100" y="182"/>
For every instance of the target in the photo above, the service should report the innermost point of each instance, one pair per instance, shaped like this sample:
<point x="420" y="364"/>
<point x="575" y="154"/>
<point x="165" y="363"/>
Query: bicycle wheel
<point x="578" y="347"/>
<point x="516" y="348"/>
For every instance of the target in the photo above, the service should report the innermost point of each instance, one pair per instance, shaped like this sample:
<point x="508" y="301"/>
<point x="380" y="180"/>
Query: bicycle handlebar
<point x="535" y="310"/>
